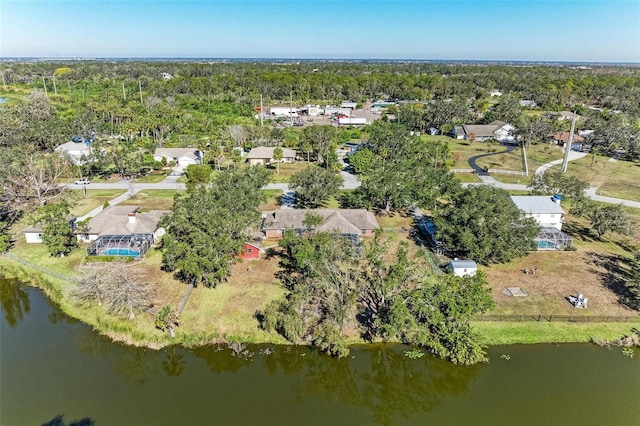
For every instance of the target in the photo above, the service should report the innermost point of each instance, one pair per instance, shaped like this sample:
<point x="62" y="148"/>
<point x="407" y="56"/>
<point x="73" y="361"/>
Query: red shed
<point x="251" y="251"/>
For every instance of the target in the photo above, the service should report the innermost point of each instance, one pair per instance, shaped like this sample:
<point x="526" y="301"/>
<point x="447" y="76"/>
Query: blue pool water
<point x="120" y="252"/>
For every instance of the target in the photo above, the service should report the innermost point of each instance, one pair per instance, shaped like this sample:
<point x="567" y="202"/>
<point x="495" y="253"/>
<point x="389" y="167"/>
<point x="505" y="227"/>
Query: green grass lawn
<point x="153" y="177"/>
<point x="152" y="199"/>
<point x="619" y="179"/>
<point x="95" y="198"/>
<point x="273" y="199"/>
<point x="505" y="333"/>
<point x="468" y="177"/>
<point x="287" y="170"/>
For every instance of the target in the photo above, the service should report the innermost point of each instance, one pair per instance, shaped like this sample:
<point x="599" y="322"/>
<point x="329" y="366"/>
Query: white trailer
<point x="352" y="121"/>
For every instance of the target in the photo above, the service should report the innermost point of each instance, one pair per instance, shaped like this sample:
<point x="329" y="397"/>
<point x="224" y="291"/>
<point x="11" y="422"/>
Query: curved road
<point x="350" y="182"/>
<point x="485" y="177"/>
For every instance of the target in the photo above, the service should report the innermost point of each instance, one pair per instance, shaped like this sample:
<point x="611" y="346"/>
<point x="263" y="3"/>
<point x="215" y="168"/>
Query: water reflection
<point x="174" y="364"/>
<point x="59" y="421"/>
<point x="289" y="385"/>
<point x="14" y="299"/>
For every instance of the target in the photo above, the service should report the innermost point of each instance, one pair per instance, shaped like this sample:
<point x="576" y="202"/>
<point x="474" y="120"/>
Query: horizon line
<point x="294" y="59"/>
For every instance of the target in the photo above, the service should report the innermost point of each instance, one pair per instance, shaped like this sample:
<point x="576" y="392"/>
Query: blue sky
<point x="558" y="30"/>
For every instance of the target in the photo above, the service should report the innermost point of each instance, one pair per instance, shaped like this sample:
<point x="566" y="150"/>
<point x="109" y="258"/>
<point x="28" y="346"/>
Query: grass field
<point x="273" y="200"/>
<point x="95" y="198"/>
<point x="287" y="170"/>
<point x="152" y="199"/>
<point x="619" y="178"/>
<point x="506" y="333"/>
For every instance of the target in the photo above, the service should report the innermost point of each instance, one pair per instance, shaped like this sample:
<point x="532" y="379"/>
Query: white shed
<point x="460" y="268"/>
<point x="33" y="235"/>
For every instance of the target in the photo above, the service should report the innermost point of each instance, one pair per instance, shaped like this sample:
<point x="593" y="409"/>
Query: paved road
<point x="485" y="177"/>
<point x="573" y="155"/>
<point x="350" y="182"/>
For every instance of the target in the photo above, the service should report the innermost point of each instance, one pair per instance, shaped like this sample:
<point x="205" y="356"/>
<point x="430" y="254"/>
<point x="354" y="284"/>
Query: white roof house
<point x="78" y="152"/>
<point x="182" y="156"/>
<point x="264" y="155"/>
<point x="460" y="268"/>
<point x="347" y="104"/>
<point x="545" y="209"/>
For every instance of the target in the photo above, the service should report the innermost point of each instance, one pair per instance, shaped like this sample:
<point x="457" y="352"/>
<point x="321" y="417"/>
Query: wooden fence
<point x="558" y="318"/>
<point x="462" y="171"/>
<point x="507" y="172"/>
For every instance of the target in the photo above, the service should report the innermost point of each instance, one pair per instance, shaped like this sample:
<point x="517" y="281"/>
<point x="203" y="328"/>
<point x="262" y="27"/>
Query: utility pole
<point x="44" y="83"/>
<point x="124" y="94"/>
<point x="291" y="108"/>
<point x="565" y="161"/>
<point x="261" y="112"/>
<point x="524" y="156"/>
<point x="140" y="89"/>
<point x="55" y="89"/>
<point x="3" y="82"/>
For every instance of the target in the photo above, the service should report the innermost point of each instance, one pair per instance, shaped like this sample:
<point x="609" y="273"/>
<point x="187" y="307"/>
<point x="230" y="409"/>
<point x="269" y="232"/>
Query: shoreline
<point x="144" y="334"/>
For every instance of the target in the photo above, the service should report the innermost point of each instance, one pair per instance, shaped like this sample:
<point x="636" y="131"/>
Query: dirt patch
<point x="559" y="275"/>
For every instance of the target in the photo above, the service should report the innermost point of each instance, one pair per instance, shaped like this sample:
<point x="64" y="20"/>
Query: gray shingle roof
<point x="536" y="204"/>
<point x="177" y="152"/>
<point x="114" y="220"/>
<point x="267" y="152"/>
<point x="480" y="130"/>
<point x="345" y="221"/>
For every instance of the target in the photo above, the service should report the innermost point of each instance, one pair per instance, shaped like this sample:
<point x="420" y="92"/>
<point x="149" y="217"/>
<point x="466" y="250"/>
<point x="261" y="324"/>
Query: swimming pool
<point x="120" y="252"/>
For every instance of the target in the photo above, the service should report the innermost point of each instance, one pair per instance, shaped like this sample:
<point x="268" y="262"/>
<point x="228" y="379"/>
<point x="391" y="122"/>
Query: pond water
<point x="52" y="365"/>
<point x="2" y="100"/>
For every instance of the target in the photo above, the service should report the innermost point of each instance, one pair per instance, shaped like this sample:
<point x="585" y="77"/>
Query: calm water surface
<point x="51" y="365"/>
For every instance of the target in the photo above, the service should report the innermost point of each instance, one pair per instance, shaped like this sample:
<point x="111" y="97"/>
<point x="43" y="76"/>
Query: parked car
<point x="82" y="182"/>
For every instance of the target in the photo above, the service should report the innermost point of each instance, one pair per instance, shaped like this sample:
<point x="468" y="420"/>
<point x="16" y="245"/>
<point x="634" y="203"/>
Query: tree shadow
<point x="577" y="230"/>
<point x="615" y="277"/>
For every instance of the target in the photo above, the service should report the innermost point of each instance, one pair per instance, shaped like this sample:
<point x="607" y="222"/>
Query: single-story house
<point x="122" y="231"/>
<point x="562" y="138"/>
<point x="264" y="155"/>
<point x="351" y="222"/>
<point x="564" y="115"/>
<point x="498" y="130"/>
<point x="182" y="156"/>
<point x="122" y="220"/>
<point x="250" y="251"/>
<point x="460" y="268"/>
<point x="495" y="93"/>
<point x="78" y="152"/>
<point x="458" y="132"/>
<point x="32" y="235"/>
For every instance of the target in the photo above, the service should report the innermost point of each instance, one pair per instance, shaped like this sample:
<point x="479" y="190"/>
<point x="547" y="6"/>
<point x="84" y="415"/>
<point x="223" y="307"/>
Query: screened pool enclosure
<point x="135" y="245"/>
<point x="551" y="239"/>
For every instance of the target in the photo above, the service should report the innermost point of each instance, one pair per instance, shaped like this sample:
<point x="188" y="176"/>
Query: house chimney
<point x="132" y="217"/>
